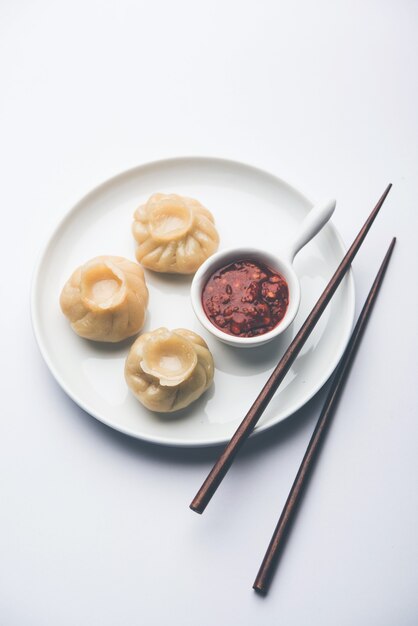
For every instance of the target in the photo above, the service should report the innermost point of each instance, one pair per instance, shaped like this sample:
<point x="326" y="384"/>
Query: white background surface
<point x="95" y="527"/>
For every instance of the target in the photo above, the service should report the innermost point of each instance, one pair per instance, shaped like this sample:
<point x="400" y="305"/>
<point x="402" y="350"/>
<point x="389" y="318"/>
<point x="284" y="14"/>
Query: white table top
<point x="95" y="527"/>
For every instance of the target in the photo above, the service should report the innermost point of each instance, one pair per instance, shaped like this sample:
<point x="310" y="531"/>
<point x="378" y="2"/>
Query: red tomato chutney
<point x="245" y="298"/>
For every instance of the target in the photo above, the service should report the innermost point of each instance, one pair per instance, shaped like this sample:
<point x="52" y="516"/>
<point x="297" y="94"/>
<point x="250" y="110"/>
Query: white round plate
<point x="251" y="208"/>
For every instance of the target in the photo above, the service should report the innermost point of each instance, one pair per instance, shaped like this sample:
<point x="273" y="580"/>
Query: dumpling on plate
<point x="106" y="299"/>
<point x="174" y="234"/>
<point x="167" y="370"/>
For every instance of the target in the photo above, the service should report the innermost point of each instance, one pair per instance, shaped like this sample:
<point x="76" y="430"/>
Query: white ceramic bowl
<point x="316" y="219"/>
<point x="220" y="259"/>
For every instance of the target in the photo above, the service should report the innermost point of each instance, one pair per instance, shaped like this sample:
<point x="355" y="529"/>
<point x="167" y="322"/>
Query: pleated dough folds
<point x="106" y="299"/>
<point x="174" y="234"/>
<point x="167" y="370"/>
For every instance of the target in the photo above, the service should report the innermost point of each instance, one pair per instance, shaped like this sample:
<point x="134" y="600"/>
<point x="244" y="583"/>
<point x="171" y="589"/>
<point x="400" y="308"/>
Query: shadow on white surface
<point x="277" y="436"/>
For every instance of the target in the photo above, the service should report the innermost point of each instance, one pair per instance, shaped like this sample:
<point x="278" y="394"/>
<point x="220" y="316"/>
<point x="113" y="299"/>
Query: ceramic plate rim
<point x="172" y="442"/>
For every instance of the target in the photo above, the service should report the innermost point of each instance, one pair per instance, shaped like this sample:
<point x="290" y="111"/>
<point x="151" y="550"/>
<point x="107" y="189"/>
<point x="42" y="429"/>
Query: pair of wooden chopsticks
<point x="226" y="458"/>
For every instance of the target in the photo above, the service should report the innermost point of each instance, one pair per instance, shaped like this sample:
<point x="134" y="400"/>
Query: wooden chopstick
<point x="247" y="425"/>
<point x="267" y="568"/>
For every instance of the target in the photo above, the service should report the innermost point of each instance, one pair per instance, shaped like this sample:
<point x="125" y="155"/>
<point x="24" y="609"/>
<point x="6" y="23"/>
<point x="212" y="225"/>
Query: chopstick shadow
<point x="202" y="458"/>
<point x="275" y="437"/>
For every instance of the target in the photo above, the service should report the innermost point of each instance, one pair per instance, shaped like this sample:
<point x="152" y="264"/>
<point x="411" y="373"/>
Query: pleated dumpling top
<point x="174" y="234"/>
<point x="167" y="370"/>
<point x="106" y="299"/>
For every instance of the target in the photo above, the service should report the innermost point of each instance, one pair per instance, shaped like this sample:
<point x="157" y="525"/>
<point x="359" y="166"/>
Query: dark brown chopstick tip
<point x="260" y="590"/>
<point x="196" y="508"/>
<point x="388" y="253"/>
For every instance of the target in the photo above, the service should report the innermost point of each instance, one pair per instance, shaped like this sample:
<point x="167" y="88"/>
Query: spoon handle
<point x="317" y="217"/>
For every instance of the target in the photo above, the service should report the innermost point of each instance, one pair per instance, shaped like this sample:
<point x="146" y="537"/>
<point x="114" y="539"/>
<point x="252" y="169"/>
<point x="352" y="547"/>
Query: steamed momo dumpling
<point x="174" y="234"/>
<point x="167" y="370"/>
<point x="106" y="299"/>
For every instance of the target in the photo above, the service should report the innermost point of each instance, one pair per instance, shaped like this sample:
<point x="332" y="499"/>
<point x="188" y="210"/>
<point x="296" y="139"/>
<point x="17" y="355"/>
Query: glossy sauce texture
<point x="245" y="298"/>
